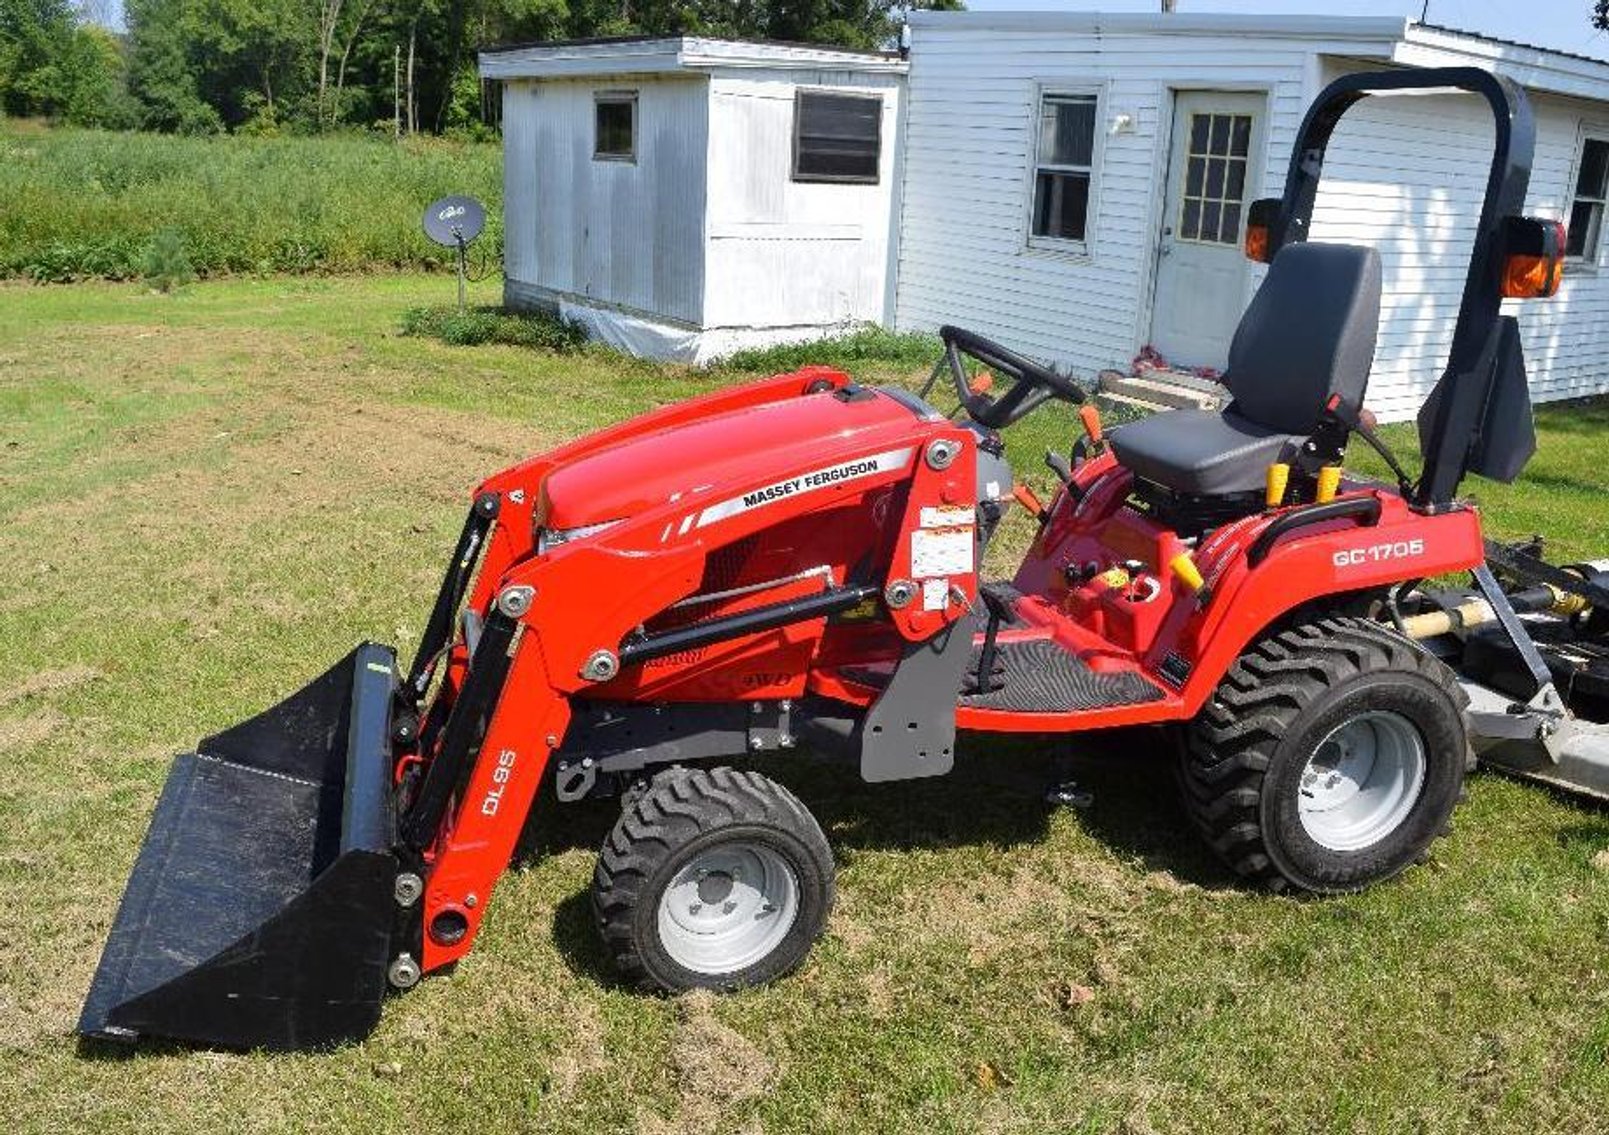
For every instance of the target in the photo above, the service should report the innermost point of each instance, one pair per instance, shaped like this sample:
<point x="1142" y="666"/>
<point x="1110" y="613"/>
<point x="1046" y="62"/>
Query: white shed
<point x="686" y="197"/>
<point x="1075" y="184"/>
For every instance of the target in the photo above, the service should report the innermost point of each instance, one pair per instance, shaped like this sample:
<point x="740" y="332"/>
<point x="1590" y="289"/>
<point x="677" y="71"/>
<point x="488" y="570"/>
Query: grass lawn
<point x="208" y="497"/>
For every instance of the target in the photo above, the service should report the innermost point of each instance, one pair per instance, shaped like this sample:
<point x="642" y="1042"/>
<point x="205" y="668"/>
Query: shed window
<point x="1591" y="190"/>
<point x="615" y="127"/>
<point x="1215" y="178"/>
<point x="837" y="137"/>
<point x="1064" y="167"/>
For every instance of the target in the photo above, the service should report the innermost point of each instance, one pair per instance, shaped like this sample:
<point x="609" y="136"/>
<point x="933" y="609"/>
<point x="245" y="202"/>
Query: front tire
<point x="1330" y="757"/>
<point x="713" y="879"/>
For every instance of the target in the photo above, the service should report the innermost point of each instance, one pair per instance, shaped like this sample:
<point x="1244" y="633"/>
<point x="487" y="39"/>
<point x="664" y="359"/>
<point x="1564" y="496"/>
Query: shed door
<point x="1202" y="276"/>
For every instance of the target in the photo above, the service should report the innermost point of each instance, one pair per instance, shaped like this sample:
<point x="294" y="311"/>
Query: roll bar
<point x="1461" y="428"/>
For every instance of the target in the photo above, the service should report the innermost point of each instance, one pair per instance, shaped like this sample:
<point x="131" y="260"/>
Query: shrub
<point x="167" y="265"/>
<point x="479" y="325"/>
<point x="89" y="203"/>
<point x="866" y="344"/>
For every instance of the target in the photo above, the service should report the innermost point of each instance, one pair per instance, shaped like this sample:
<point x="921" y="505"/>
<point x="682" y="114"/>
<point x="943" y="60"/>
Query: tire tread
<point x="677" y="806"/>
<point x="1230" y="745"/>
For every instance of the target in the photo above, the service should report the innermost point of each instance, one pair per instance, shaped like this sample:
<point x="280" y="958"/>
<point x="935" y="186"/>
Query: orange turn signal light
<point x="1261" y="218"/>
<point x="1257" y="243"/>
<point x="1531" y="277"/>
<point x="1533" y="265"/>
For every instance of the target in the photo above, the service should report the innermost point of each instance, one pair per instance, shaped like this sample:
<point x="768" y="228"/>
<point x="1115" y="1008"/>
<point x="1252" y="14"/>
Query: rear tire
<point x="1330" y="757"/>
<point x="712" y="879"/>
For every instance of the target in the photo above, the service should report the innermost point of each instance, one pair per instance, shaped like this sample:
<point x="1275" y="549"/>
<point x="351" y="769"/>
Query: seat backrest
<point x="1308" y="333"/>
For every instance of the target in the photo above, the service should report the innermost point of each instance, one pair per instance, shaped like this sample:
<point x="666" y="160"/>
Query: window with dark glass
<point x="1586" y="210"/>
<point x="1064" y="165"/>
<point x="615" y="128"/>
<point x="1214" y="194"/>
<point x="837" y="137"/>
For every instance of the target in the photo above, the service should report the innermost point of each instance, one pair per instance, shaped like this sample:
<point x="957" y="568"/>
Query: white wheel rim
<point x="728" y="908"/>
<point x="1362" y="781"/>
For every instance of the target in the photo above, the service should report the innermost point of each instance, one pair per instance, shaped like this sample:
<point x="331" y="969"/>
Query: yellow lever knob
<point x="1329" y="482"/>
<point x="1279" y="479"/>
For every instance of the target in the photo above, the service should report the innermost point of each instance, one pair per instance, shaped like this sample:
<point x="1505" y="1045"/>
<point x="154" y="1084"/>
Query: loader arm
<point x="539" y="650"/>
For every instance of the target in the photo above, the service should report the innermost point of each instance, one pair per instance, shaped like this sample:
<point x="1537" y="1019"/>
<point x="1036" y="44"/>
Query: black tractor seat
<point x="1201" y="452"/>
<point x="1308" y="335"/>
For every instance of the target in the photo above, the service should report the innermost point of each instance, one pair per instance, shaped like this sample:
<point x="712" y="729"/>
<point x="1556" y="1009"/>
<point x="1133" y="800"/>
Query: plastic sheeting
<point x="649" y="339"/>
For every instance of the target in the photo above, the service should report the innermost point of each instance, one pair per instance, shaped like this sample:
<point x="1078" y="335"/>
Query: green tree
<point x="55" y="66"/>
<point x="199" y="65"/>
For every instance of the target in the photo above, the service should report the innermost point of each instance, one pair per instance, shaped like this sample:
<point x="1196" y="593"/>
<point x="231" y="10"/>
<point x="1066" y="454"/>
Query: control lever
<point x="999" y="609"/>
<point x="1063" y="469"/>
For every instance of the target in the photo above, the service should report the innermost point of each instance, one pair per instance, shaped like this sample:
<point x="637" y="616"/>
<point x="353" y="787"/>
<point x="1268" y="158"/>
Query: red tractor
<point x="794" y="563"/>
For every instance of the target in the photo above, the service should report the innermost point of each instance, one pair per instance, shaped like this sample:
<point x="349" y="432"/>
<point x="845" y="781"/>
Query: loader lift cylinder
<point x="487" y="673"/>
<point x="439" y="630"/>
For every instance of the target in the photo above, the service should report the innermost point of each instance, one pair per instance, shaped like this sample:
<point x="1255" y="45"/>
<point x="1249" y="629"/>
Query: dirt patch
<point x="986" y="915"/>
<point x="26" y="732"/>
<point x="846" y="924"/>
<point x="714" y="1068"/>
<point x="40" y="996"/>
<point x="47" y="682"/>
<point x="583" y="1052"/>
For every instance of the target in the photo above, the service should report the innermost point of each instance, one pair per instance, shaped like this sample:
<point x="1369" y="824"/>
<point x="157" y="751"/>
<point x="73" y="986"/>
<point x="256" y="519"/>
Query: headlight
<point x="549" y="538"/>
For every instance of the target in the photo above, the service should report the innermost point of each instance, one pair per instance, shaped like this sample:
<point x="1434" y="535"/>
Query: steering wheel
<point x="1032" y="385"/>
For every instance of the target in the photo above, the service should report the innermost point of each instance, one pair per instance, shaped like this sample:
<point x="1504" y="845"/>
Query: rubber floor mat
<point x="1041" y="677"/>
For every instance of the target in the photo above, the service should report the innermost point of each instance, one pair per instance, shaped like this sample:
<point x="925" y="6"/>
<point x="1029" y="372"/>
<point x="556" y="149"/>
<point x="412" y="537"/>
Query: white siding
<point x="1408" y="175"/>
<point x="628" y="234"/>
<point x="1566" y="338"/>
<point x="964" y="255"/>
<point x="783" y="253"/>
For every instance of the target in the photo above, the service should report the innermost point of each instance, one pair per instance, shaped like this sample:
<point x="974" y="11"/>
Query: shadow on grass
<point x="103" y="1051"/>
<point x="576" y="938"/>
<point x="996" y="797"/>
<point x="1541" y="479"/>
<point x="1587" y="416"/>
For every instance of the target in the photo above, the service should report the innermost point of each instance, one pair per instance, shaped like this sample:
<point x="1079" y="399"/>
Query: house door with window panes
<point x="1203" y="278"/>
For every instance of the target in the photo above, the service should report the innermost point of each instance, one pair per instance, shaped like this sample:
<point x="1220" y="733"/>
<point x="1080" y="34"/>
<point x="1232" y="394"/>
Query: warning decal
<point x="947" y="516"/>
<point x="941" y="552"/>
<point x="808" y="482"/>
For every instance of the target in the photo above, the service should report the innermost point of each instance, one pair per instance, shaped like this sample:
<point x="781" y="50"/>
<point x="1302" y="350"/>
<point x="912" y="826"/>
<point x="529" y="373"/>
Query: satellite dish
<point x="454" y="220"/>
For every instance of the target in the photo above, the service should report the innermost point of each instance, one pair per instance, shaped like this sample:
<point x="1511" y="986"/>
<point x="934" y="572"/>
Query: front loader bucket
<point x="261" y="911"/>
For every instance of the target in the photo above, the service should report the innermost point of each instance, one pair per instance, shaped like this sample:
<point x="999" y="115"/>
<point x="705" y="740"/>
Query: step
<point x="1189" y="380"/>
<point x="1139" y="406"/>
<point x="1164" y="393"/>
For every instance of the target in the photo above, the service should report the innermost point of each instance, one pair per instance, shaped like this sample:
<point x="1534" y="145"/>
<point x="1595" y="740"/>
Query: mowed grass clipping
<point x="208" y="497"/>
<point x="80" y="204"/>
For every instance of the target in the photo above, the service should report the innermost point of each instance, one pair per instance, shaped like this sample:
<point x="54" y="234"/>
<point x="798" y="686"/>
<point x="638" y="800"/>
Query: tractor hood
<point x="726" y="453"/>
